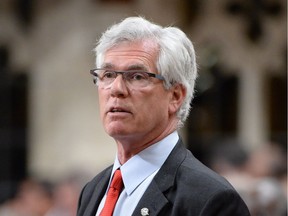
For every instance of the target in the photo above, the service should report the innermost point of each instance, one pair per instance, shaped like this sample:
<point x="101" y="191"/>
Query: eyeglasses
<point x="136" y="79"/>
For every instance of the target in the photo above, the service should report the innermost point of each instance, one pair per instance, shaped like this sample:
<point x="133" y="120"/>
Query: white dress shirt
<point x="138" y="172"/>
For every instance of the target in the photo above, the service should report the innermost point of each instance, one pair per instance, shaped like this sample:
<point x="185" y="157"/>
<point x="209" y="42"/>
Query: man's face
<point x="127" y="113"/>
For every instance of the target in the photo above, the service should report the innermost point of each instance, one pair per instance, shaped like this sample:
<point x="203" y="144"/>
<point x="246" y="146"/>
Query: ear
<point x="178" y="93"/>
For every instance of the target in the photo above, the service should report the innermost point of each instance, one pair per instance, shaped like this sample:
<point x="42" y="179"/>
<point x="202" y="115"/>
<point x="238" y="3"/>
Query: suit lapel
<point x="154" y="198"/>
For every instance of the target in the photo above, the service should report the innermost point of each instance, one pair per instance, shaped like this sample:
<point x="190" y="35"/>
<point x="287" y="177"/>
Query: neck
<point x="129" y="146"/>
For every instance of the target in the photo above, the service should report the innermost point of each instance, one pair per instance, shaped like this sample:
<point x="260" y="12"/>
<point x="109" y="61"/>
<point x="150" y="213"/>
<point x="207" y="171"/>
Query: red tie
<point x="113" y="194"/>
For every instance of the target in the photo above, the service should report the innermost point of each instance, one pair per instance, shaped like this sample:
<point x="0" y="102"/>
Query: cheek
<point x="155" y="107"/>
<point x="102" y="101"/>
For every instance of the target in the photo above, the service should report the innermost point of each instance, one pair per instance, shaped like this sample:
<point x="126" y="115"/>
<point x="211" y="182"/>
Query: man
<point x="145" y="77"/>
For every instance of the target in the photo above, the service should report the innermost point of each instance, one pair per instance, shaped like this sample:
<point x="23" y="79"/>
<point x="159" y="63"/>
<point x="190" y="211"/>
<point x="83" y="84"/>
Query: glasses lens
<point x="106" y="77"/>
<point x="137" y="79"/>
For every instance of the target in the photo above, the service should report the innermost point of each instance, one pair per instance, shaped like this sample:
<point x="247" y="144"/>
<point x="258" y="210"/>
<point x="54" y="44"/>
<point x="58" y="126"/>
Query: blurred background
<point x="51" y="137"/>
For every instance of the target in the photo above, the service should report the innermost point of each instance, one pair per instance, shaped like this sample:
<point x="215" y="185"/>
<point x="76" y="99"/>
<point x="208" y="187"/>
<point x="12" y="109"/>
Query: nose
<point x="118" y="87"/>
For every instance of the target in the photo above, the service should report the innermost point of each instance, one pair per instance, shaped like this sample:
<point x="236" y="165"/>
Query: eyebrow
<point x="107" y="66"/>
<point x="130" y="67"/>
<point x="137" y="67"/>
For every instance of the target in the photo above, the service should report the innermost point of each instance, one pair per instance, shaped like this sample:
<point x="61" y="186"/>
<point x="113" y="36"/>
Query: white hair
<point x="176" y="59"/>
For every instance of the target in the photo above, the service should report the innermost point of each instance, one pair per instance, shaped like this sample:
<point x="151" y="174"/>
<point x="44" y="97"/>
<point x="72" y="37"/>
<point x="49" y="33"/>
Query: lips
<point x="118" y="110"/>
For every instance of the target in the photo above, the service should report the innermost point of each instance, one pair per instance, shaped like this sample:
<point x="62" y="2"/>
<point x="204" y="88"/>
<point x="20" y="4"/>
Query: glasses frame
<point x="96" y="75"/>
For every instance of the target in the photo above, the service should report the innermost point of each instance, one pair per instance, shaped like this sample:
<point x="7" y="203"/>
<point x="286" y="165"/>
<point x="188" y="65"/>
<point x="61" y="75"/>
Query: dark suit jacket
<point x="182" y="187"/>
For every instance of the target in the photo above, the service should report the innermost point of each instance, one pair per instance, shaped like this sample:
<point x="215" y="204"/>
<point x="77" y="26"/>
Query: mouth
<point x="118" y="110"/>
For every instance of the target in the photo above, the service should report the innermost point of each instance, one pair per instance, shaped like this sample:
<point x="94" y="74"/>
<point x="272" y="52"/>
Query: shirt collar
<point x="146" y="162"/>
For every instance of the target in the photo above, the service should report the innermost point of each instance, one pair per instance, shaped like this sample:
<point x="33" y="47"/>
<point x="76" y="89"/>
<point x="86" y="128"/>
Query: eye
<point x="108" y="74"/>
<point x="138" y="76"/>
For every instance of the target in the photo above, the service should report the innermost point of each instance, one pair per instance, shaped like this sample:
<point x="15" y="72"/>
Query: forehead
<point x="127" y="54"/>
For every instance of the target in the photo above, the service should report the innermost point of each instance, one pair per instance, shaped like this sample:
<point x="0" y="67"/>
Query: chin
<point x="116" y="131"/>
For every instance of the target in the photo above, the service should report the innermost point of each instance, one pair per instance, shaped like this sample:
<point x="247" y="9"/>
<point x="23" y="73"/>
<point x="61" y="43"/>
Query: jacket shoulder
<point x="93" y="192"/>
<point x="198" y="190"/>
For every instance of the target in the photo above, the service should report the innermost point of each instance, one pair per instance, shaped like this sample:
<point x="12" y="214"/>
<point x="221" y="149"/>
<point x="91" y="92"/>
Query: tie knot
<point x="117" y="182"/>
